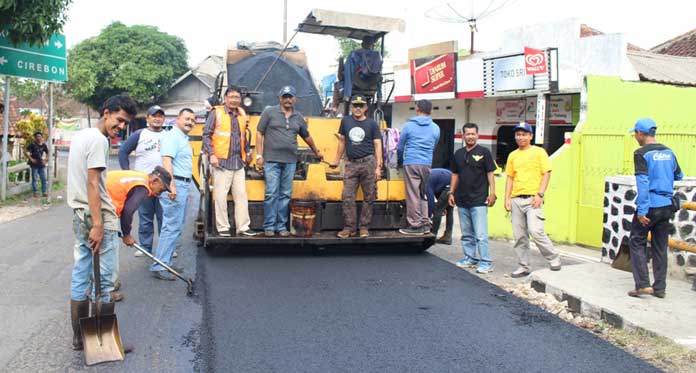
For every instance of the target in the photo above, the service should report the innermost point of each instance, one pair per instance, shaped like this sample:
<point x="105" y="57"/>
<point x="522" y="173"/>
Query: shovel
<point x="623" y="259"/>
<point x="188" y="281"/>
<point x="100" y="336"/>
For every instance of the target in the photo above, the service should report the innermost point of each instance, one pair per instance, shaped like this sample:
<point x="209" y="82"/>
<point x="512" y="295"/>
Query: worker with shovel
<point x="95" y="223"/>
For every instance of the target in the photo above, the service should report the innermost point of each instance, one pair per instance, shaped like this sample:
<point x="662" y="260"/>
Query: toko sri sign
<point x="44" y="62"/>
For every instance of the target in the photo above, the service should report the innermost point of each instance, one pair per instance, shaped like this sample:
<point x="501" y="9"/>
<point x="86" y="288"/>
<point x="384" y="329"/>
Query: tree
<point x="26" y="89"/>
<point x="347" y="45"/>
<point x="139" y="60"/>
<point x="32" y="21"/>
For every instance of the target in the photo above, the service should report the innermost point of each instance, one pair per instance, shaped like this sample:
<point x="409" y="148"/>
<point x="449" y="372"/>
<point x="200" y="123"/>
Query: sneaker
<point x="344" y="233"/>
<point x="520" y="272"/>
<point x="284" y="233"/>
<point x="224" y="233"/>
<point x="175" y="255"/>
<point x="555" y="265"/>
<point x="364" y="233"/>
<point x="555" y="268"/>
<point x="268" y="233"/>
<point x="642" y="291"/>
<point x="467" y="263"/>
<point x="248" y="233"/>
<point x="412" y="231"/>
<point x="484" y="268"/>
<point x="163" y="275"/>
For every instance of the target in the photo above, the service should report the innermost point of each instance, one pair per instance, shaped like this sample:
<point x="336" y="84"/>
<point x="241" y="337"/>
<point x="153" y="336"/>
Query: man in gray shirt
<point x="95" y="223"/>
<point x="276" y="154"/>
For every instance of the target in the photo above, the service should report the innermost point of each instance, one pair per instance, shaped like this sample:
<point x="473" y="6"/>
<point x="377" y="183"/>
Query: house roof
<point x="14" y="114"/>
<point x="587" y="31"/>
<point x="665" y="69"/>
<point x="683" y="45"/>
<point x="206" y="71"/>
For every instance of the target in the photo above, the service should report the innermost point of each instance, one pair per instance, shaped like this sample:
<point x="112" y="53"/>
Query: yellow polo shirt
<point x="526" y="167"/>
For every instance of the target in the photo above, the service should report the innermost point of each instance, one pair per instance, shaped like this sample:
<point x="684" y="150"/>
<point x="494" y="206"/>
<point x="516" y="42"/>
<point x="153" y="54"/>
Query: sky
<point x="209" y="26"/>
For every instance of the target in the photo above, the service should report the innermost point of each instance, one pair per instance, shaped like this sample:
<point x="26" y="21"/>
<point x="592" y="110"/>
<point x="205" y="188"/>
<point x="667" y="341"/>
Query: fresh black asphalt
<point x="293" y="311"/>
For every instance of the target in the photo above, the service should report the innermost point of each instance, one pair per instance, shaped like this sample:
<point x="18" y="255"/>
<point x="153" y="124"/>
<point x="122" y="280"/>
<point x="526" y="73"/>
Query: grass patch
<point x="12" y="200"/>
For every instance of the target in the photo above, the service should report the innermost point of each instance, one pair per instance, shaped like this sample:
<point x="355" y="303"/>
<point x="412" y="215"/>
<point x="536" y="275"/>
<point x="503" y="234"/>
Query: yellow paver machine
<point x="316" y="213"/>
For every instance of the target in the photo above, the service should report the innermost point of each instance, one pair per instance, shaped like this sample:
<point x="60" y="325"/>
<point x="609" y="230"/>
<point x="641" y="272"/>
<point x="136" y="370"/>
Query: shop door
<point x="445" y="146"/>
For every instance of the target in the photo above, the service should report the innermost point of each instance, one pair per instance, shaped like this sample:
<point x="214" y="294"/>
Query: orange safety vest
<point x="223" y="132"/>
<point x="119" y="183"/>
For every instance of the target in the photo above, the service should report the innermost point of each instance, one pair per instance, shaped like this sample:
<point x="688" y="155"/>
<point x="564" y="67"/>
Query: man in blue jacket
<point x="656" y="169"/>
<point x="415" y="150"/>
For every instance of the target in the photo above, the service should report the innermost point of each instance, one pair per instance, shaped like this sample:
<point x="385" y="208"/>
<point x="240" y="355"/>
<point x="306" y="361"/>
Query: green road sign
<point x="43" y="62"/>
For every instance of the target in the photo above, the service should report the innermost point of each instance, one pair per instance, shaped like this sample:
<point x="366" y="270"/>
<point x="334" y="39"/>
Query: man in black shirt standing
<point x="37" y="153"/>
<point x="474" y="191"/>
<point x="359" y="136"/>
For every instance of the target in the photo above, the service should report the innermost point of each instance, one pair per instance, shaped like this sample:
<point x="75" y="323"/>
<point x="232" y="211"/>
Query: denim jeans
<point x="173" y="217"/>
<point x="474" y="224"/>
<point x="276" y="200"/>
<point x="38" y="172"/>
<point x="82" y="272"/>
<point x="149" y="209"/>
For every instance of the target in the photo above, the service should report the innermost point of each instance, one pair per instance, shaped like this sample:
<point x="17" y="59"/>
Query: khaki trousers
<point x="223" y="181"/>
<point x="528" y="221"/>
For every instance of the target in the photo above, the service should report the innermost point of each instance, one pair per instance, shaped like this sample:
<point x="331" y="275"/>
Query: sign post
<point x="5" y="136"/>
<point x="540" y="119"/>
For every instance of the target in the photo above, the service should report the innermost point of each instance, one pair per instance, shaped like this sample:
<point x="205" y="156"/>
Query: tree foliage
<point x="29" y="125"/>
<point x="139" y="60"/>
<point x="32" y="21"/>
<point x="26" y="89"/>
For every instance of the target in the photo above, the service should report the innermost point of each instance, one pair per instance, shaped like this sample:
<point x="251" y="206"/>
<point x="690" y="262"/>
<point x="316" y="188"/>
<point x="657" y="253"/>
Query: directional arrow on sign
<point x="58" y="44"/>
<point x="2" y="60"/>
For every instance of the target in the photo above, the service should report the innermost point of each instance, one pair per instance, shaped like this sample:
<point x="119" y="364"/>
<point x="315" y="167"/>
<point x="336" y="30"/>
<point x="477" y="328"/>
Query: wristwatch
<point x="540" y="194"/>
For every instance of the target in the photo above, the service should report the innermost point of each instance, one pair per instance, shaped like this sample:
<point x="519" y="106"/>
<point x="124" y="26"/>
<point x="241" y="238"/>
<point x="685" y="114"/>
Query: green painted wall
<point x="602" y="147"/>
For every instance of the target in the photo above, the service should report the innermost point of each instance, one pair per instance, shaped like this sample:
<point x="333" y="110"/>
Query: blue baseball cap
<point x="645" y="125"/>
<point x="524" y="126"/>
<point x="287" y="90"/>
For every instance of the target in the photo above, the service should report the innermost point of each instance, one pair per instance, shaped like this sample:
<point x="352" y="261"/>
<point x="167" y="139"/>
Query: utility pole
<point x="285" y="22"/>
<point x="5" y="137"/>
<point x="49" y="166"/>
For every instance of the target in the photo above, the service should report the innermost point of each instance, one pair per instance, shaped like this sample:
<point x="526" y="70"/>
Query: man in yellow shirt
<point x="528" y="172"/>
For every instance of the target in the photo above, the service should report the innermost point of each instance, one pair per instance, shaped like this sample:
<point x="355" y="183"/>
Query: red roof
<point x="14" y="114"/>
<point x="683" y="45"/>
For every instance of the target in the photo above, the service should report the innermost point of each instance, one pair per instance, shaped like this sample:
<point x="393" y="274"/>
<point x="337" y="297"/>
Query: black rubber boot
<point x="78" y="310"/>
<point x="446" y="238"/>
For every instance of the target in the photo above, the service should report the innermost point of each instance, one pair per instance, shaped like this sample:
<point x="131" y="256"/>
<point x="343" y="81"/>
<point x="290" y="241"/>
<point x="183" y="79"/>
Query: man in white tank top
<point x="146" y="144"/>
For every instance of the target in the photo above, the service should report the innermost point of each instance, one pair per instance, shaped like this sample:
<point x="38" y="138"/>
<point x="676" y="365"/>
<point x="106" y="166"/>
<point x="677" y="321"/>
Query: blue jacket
<point x="656" y="169"/>
<point x="437" y="182"/>
<point x="417" y="141"/>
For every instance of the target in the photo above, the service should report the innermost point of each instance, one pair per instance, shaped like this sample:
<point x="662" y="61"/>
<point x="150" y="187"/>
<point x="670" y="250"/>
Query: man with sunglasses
<point x="361" y="140"/>
<point x="276" y="155"/>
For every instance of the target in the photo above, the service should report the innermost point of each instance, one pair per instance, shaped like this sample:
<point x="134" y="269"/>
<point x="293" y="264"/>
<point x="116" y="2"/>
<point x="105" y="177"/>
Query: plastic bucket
<point x="302" y="217"/>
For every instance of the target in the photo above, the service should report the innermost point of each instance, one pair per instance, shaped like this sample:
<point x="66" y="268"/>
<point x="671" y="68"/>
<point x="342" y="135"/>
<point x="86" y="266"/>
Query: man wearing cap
<point x="528" y="172"/>
<point x="146" y="144"/>
<point x="224" y="142"/>
<point x="656" y="169"/>
<point x="415" y="151"/>
<point x="361" y="140"/>
<point x="129" y="189"/>
<point x="276" y="155"/>
<point x="177" y="159"/>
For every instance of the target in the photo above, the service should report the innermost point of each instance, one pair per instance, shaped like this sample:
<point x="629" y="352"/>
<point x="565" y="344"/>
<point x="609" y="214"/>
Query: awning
<point x="349" y="25"/>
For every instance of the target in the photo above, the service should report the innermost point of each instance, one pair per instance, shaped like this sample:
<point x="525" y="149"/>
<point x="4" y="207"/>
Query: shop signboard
<point x="513" y="111"/>
<point x="510" y="74"/>
<point x="534" y="61"/>
<point x="434" y="74"/>
<point x="509" y="111"/>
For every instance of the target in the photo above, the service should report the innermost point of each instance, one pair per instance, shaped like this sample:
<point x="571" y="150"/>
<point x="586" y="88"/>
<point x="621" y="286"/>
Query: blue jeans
<point x="83" y="270"/>
<point x="276" y="200"/>
<point x="474" y="224"/>
<point x="38" y="172"/>
<point x="173" y="217"/>
<point x="146" y="213"/>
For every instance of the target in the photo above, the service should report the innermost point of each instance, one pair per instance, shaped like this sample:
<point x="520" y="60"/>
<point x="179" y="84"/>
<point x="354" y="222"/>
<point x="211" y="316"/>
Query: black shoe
<point x="248" y="232"/>
<point x="224" y="234"/>
<point x="659" y="293"/>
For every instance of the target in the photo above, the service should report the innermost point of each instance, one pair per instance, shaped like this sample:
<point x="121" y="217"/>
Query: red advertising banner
<point x="433" y="74"/>
<point x="534" y="61"/>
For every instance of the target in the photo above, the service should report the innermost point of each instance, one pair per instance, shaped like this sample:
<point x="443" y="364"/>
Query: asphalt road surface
<point x="380" y="312"/>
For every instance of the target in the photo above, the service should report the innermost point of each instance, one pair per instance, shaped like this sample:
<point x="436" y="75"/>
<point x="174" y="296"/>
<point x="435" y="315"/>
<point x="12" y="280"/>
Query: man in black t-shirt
<point x="474" y="191"/>
<point x="37" y="152"/>
<point x="361" y="140"/>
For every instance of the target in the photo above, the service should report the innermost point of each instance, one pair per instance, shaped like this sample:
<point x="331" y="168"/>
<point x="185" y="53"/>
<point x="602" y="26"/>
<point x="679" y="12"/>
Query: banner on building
<point x="513" y="111"/>
<point x="534" y="61"/>
<point x="434" y="74"/>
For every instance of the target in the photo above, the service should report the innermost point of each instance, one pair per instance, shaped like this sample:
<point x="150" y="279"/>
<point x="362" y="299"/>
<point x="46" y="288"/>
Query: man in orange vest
<point x="128" y="189"/>
<point x="225" y="143"/>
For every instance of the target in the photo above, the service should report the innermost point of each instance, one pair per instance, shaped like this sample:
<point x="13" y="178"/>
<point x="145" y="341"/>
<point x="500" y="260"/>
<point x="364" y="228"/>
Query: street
<point x="290" y="311"/>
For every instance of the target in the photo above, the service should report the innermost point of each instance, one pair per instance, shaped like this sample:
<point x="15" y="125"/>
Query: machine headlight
<point x="247" y="101"/>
